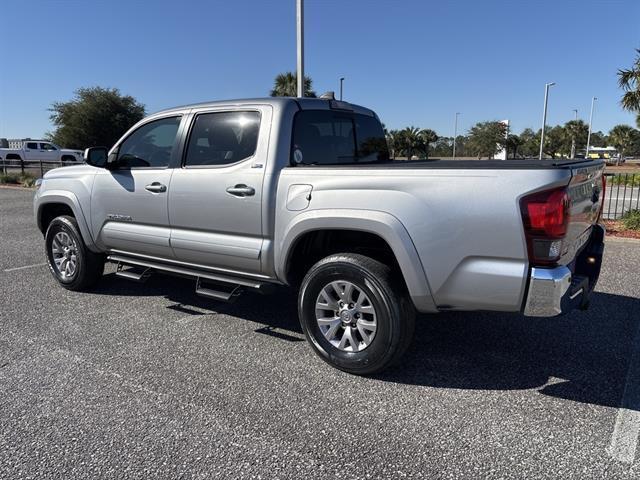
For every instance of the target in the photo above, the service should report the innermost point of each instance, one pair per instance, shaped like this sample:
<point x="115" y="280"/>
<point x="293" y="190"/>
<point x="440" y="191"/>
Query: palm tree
<point x="512" y="144"/>
<point x="410" y="140"/>
<point x="576" y="132"/>
<point x="286" y="85"/>
<point x="629" y="81"/>
<point x="622" y="137"/>
<point x="428" y="136"/>
<point x="393" y="141"/>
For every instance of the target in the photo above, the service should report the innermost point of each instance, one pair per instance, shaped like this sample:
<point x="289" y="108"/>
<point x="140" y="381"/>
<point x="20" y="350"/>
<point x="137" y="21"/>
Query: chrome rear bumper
<point x="556" y="291"/>
<point x="547" y="286"/>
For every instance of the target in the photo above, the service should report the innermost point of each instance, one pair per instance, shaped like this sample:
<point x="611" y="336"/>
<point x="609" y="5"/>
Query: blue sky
<point x="414" y="62"/>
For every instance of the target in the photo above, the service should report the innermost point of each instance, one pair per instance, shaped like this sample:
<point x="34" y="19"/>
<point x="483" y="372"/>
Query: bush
<point x="24" y="179"/>
<point x="10" y="178"/>
<point x="631" y="220"/>
<point x="629" y="179"/>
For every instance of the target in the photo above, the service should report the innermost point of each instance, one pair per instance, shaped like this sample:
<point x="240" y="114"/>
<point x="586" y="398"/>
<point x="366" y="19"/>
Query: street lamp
<point x="341" y="81"/>
<point x="544" y="115"/>
<point x="455" y="135"/>
<point x="300" y="45"/>
<point x="573" y="137"/>
<point x="586" y="153"/>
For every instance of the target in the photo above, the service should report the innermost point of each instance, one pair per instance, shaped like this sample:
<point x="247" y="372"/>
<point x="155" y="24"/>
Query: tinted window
<point x="48" y="147"/>
<point x="32" y="146"/>
<point x="223" y="138"/>
<point x="322" y="137"/>
<point x="150" y="145"/>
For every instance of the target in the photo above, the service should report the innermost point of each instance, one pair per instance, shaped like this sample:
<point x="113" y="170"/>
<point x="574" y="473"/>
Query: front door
<point x="215" y="201"/>
<point x="48" y="152"/>
<point x="129" y="201"/>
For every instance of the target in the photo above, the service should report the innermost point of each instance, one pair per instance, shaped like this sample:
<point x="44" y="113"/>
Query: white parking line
<point x="22" y="268"/>
<point x="624" y="440"/>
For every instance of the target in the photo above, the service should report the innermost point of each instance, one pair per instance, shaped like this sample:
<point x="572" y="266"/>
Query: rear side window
<point x="326" y="137"/>
<point x="222" y="138"/>
<point x="150" y="145"/>
<point x="32" y="146"/>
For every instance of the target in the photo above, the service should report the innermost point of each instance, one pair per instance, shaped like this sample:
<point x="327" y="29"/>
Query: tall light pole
<point x="455" y="135"/>
<point x="586" y="153"/>
<point x="341" y="81"/>
<point x="544" y="115"/>
<point x="573" y="137"/>
<point x="300" y="44"/>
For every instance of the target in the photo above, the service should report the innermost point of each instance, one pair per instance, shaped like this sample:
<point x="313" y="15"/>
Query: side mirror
<point x="96" y="156"/>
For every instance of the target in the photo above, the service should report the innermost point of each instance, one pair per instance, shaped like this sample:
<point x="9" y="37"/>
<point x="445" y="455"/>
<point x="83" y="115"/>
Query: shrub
<point x="629" y="179"/>
<point x="631" y="220"/>
<point x="10" y="178"/>
<point x="24" y="179"/>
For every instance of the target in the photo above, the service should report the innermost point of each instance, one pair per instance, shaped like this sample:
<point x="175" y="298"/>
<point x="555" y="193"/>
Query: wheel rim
<point x="65" y="255"/>
<point x="346" y="317"/>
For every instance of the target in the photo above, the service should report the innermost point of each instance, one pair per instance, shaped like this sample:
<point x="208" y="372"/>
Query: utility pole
<point x="300" y="44"/>
<point x="341" y="81"/>
<point x="573" y="137"/>
<point x="455" y="135"/>
<point x="586" y="153"/>
<point x="544" y="116"/>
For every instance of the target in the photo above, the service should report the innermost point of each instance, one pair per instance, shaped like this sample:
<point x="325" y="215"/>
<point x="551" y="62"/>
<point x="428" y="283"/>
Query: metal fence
<point x="36" y="168"/>
<point x="622" y="194"/>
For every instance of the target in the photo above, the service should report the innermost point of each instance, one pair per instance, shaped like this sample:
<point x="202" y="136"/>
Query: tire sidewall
<point x="378" y="351"/>
<point x="64" y="224"/>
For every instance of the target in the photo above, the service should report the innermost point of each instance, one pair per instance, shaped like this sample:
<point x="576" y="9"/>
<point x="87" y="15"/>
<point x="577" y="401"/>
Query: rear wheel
<point x="71" y="263"/>
<point x="356" y="316"/>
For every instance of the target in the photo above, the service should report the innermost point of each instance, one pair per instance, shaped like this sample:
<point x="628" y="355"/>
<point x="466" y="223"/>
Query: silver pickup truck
<point x="250" y="194"/>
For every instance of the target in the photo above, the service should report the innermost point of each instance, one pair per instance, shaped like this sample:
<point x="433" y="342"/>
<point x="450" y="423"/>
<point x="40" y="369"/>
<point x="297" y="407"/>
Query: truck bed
<point x="436" y="163"/>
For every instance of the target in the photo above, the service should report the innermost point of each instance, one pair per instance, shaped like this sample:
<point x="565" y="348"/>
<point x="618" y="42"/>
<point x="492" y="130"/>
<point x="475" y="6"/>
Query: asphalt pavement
<point x="149" y="380"/>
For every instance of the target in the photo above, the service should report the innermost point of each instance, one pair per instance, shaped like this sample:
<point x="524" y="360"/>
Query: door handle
<point x="241" y="190"/>
<point x="156" y="187"/>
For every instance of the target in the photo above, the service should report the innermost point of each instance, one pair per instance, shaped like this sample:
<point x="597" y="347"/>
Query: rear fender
<point x="385" y="225"/>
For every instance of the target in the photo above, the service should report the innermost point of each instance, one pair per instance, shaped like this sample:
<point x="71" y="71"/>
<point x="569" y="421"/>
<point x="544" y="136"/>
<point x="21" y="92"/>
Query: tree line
<point x="487" y="139"/>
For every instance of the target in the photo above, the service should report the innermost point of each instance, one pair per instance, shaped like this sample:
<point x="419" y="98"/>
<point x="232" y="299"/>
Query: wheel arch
<point x="53" y="203"/>
<point x="374" y="225"/>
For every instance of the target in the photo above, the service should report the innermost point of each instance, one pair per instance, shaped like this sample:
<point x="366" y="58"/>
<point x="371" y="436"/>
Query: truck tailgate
<point x="586" y="193"/>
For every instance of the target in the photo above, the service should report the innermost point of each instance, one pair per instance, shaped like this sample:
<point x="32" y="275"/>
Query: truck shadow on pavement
<point x="583" y="356"/>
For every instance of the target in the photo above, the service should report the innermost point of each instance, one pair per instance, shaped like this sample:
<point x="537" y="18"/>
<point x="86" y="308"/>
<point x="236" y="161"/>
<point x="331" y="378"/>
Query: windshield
<point x="327" y="137"/>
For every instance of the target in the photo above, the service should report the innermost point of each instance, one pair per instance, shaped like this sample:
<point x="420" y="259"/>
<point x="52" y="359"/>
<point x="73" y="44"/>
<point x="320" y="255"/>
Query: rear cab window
<point x="222" y="138"/>
<point x="330" y="137"/>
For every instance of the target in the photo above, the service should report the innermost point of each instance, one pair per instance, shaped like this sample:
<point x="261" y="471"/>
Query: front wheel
<point x="355" y="314"/>
<point x="71" y="263"/>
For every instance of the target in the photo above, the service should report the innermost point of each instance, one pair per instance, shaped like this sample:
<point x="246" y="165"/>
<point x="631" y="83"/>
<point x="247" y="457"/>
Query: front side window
<point x="48" y="147"/>
<point x="222" y="138"/>
<point x="150" y="145"/>
<point x="326" y="137"/>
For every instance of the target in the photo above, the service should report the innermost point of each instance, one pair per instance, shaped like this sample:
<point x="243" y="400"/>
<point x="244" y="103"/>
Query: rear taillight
<point x="545" y="216"/>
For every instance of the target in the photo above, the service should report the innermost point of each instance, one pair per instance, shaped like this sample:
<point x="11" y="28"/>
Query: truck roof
<point x="303" y="103"/>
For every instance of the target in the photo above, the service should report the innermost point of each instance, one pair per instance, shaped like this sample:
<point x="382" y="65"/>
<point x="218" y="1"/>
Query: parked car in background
<point x="40" y="151"/>
<point x="250" y="194"/>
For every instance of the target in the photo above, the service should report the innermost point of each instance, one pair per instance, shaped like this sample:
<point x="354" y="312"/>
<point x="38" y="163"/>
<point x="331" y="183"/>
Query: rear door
<point x="31" y="151"/>
<point x="129" y="199"/>
<point x="49" y="152"/>
<point x="215" y="201"/>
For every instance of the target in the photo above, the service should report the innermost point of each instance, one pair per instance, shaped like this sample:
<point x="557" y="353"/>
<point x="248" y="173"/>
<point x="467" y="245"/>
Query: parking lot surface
<point x="138" y="380"/>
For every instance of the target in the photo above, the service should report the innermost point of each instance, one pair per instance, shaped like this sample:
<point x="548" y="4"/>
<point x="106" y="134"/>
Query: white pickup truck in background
<point x="40" y="150"/>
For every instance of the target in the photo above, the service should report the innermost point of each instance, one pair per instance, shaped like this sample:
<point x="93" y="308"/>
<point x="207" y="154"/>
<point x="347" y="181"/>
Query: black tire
<point x="395" y="313"/>
<point x="89" y="265"/>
